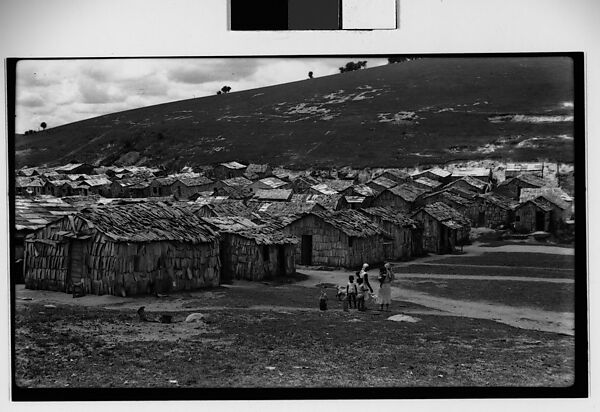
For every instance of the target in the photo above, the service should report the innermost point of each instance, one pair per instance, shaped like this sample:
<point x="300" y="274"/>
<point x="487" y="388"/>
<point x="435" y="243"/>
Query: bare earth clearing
<point x="272" y="334"/>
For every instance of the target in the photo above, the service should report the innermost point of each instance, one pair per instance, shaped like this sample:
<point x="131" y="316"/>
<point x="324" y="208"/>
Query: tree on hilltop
<point x="353" y="66"/>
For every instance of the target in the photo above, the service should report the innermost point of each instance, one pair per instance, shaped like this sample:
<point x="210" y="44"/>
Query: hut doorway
<point x="481" y="218"/>
<point x="443" y="239"/>
<point x="281" y="260"/>
<point x="75" y="273"/>
<point x="539" y="220"/>
<point x="306" y="253"/>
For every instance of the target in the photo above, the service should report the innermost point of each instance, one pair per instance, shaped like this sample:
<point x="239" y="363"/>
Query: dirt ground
<point x="272" y="334"/>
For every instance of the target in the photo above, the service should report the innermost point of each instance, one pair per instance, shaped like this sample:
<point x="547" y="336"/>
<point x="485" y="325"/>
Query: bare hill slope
<point x="421" y="112"/>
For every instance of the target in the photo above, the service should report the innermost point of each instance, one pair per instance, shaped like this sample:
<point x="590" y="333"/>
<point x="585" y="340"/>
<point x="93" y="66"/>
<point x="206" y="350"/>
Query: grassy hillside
<point x="420" y="112"/>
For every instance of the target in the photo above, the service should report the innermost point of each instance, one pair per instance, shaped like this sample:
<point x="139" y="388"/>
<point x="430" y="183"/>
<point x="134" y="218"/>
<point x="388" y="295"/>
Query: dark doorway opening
<point x="539" y="220"/>
<point x="281" y="260"/>
<point x="75" y="273"/>
<point x="306" y="253"/>
<point x="481" y="219"/>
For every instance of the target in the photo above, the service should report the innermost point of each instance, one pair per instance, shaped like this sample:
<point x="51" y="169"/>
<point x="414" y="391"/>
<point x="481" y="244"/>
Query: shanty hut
<point x="121" y="187"/>
<point x="495" y="210"/>
<point x="162" y="186"/>
<point x="555" y="195"/>
<point x="263" y="208"/>
<point x="98" y="185"/>
<point x="343" y="238"/>
<point x="512" y="187"/>
<point x="322" y="189"/>
<point x="58" y="188"/>
<point x="269" y="183"/>
<point x="31" y="214"/>
<point x="401" y="197"/>
<point x="229" y="170"/>
<point x="443" y="227"/>
<point x="124" y="250"/>
<point x="532" y="216"/>
<point x="185" y="187"/>
<point x="29" y="186"/>
<point x="381" y="183"/>
<point x="405" y="232"/>
<point x="436" y="173"/>
<point x="140" y="189"/>
<point x="252" y="252"/>
<point x="76" y="168"/>
<point x="220" y="207"/>
<point x="343" y="187"/>
<point x="302" y="184"/>
<point x="470" y="184"/>
<point x="467" y="207"/>
<point x="258" y="171"/>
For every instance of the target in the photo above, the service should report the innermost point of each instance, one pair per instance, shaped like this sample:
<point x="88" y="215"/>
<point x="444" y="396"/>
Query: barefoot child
<point x="351" y="291"/>
<point x="323" y="299"/>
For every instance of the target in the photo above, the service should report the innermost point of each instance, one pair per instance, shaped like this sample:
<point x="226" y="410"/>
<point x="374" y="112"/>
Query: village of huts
<point x="132" y="230"/>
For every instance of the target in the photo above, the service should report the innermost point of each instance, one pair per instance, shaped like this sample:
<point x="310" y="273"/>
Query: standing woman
<point x="385" y="287"/>
<point x="364" y="275"/>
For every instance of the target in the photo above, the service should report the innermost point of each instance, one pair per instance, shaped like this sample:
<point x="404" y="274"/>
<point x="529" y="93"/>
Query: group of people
<point x="357" y="294"/>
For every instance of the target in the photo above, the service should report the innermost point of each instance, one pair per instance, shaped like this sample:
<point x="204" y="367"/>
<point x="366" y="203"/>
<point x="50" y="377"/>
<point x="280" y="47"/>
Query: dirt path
<point x="479" y="266"/>
<point x="521" y="317"/>
<point x="481" y="277"/>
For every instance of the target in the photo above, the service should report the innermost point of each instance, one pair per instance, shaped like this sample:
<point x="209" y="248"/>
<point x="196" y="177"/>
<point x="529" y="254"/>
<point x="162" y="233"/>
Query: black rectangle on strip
<point x="314" y="14"/>
<point x="259" y="14"/>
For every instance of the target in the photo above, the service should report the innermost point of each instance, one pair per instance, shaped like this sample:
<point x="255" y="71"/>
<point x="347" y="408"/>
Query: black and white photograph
<point x="348" y="221"/>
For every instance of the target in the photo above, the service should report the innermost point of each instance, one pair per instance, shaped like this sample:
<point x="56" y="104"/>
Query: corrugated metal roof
<point x="273" y="182"/>
<point x="33" y="213"/>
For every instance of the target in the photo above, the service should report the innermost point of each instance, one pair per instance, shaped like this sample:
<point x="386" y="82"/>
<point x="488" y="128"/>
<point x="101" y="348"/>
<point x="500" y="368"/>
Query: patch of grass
<point x="541" y="260"/>
<point x="558" y="297"/>
<point x="457" y="269"/>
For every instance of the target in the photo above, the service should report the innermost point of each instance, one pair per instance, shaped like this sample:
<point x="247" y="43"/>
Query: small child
<point x="323" y="299"/>
<point x="361" y="295"/>
<point x="351" y="291"/>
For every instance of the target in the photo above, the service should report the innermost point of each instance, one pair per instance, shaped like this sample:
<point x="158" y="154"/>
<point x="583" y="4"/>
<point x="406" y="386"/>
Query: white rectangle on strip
<point x="368" y="14"/>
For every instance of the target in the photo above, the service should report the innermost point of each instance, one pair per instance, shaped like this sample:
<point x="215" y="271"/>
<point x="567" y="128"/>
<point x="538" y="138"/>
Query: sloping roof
<point x="241" y="226"/>
<point x="324" y="189"/>
<point x="397" y="173"/>
<point x="273" y="194"/>
<point x="338" y="185"/>
<point x="445" y="214"/>
<point x="524" y="167"/>
<point x="21" y="181"/>
<point x="233" y="165"/>
<point x="428" y="182"/>
<point x="58" y="183"/>
<point x="68" y="167"/>
<point x="384" y="182"/>
<point x="32" y="213"/>
<point x="471" y="172"/>
<point x="164" y="181"/>
<point x="273" y="182"/>
<point x="364" y="190"/>
<point x="471" y="181"/>
<point x="195" y="181"/>
<point x="540" y="203"/>
<point x="327" y="201"/>
<point x="237" y="181"/>
<point x="527" y="178"/>
<point x="237" y="192"/>
<point x="499" y="200"/>
<point x="408" y="192"/>
<point x="351" y="222"/>
<point x="254" y="170"/>
<point x="436" y="171"/>
<point x="148" y="222"/>
<point x="459" y="191"/>
<point x="390" y="215"/>
<point x="283" y="208"/>
<point x="553" y="194"/>
<point x="226" y="207"/>
<point x="97" y="181"/>
<point x="447" y="196"/>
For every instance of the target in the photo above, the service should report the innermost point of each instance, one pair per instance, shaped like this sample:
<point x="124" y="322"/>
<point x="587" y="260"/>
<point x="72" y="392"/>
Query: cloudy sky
<point x="64" y="91"/>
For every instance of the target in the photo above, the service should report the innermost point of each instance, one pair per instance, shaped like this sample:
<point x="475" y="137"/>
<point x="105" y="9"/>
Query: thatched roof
<point x="471" y="181"/>
<point x="148" y="222"/>
<point x="527" y="178"/>
<point x="283" y="208"/>
<point x="408" y="192"/>
<point x="351" y="222"/>
<point x="223" y="207"/>
<point x="553" y="194"/>
<point x="327" y="201"/>
<point x="383" y="182"/>
<point x="445" y="214"/>
<point x="498" y="200"/>
<point x="540" y="203"/>
<point x="390" y="215"/>
<point x="240" y="226"/>
<point x="195" y="181"/>
<point x="32" y="213"/>
<point x="338" y="184"/>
